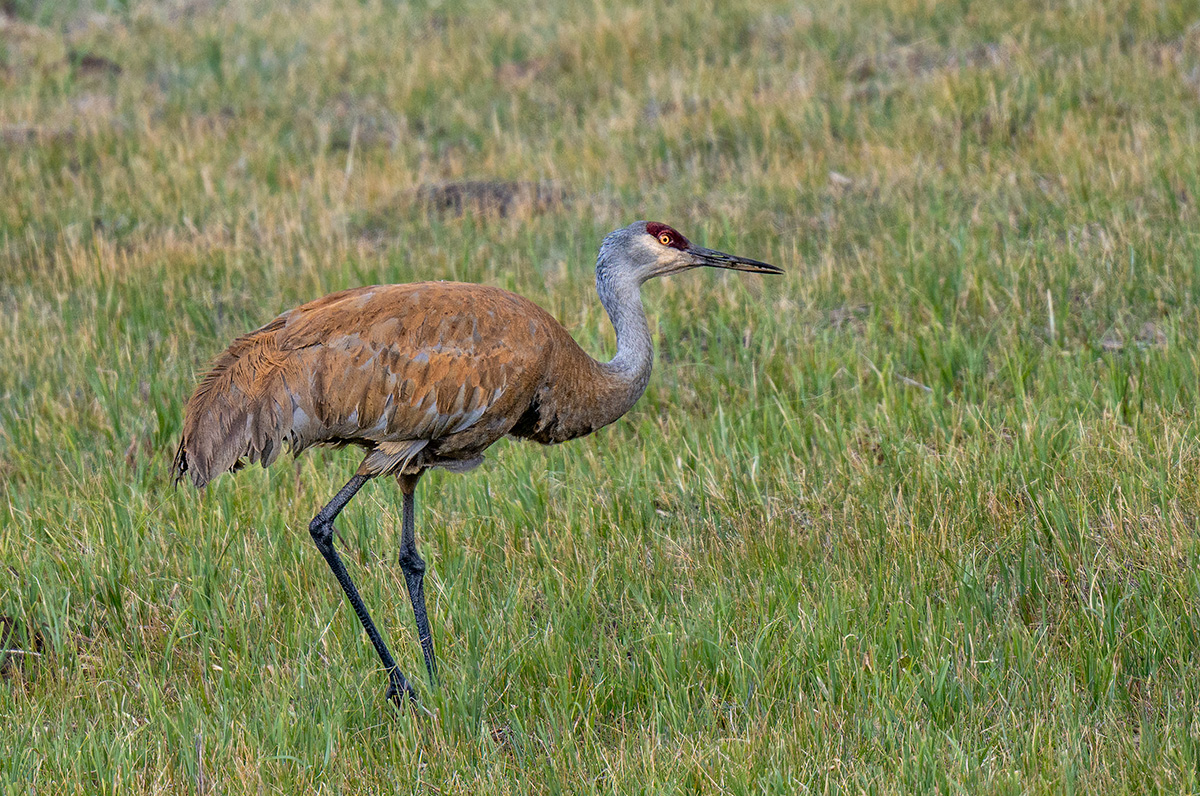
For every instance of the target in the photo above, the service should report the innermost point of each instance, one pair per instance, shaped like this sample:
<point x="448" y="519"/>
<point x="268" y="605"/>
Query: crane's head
<point x="646" y="249"/>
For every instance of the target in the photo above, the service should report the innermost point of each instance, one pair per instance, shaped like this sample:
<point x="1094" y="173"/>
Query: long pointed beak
<point x="716" y="259"/>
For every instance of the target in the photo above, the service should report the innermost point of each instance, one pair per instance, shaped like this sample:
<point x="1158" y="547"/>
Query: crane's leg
<point x="414" y="572"/>
<point x="321" y="529"/>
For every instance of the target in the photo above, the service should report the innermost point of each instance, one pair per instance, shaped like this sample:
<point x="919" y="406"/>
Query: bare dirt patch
<point x="499" y="197"/>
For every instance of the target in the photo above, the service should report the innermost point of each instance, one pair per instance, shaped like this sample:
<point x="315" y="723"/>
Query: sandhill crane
<point x="427" y="375"/>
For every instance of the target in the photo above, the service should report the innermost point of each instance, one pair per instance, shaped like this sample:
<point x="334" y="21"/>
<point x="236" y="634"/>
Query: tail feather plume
<point x="241" y="412"/>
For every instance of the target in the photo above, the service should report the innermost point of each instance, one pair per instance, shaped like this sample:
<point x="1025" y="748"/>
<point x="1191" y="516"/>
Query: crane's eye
<point x="664" y="239"/>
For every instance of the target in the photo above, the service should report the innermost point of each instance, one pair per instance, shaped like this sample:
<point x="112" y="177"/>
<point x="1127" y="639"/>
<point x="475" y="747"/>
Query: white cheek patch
<point x="669" y="261"/>
<point x="650" y="248"/>
<point x="665" y="259"/>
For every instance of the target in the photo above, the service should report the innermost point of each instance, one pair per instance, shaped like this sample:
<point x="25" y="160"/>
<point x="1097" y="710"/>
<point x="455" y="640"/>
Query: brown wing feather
<point x="419" y="375"/>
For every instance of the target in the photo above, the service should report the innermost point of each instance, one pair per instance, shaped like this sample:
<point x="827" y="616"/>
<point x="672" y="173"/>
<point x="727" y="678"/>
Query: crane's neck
<point x="627" y="374"/>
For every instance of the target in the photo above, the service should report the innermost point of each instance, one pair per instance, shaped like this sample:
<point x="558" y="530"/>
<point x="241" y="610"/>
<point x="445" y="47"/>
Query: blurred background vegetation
<point x="921" y="515"/>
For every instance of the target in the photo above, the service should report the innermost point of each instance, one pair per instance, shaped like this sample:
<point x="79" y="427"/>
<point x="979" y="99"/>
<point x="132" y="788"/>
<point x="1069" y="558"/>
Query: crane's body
<point x="427" y="375"/>
<point x="419" y="375"/>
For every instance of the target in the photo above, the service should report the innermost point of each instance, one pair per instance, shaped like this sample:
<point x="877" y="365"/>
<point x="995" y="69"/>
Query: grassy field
<point x="921" y="515"/>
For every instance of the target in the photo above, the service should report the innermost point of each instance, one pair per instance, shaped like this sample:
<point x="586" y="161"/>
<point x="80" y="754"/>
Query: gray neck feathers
<point x="629" y="370"/>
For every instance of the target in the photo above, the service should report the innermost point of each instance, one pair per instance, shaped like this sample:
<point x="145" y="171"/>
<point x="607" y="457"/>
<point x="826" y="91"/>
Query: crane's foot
<point x="399" y="688"/>
<point x="401" y="692"/>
